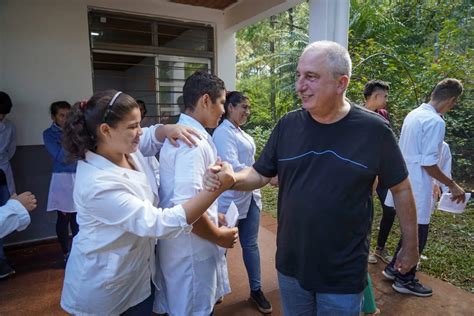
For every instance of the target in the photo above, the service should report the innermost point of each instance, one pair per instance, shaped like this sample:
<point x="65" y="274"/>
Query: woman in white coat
<point x="111" y="265"/>
<point x="238" y="148"/>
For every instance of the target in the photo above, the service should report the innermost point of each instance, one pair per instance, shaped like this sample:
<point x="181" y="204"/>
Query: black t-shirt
<point x="326" y="172"/>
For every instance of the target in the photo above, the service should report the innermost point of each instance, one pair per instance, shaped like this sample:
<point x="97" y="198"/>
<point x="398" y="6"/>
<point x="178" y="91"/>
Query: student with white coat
<point x="111" y="265"/>
<point x="14" y="215"/>
<point x="421" y="142"/>
<point x="194" y="268"/>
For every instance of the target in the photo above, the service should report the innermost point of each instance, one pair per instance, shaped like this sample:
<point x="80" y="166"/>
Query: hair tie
<point x="83" y="105"/>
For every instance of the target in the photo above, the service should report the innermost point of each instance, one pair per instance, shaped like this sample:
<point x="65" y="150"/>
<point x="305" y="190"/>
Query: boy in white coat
<point x="420" y="142"/>
<point x="194" y="270"/>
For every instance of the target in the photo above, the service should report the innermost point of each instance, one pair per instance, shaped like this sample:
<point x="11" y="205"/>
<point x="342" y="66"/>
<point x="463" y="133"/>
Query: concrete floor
<point x="35" y="288"/>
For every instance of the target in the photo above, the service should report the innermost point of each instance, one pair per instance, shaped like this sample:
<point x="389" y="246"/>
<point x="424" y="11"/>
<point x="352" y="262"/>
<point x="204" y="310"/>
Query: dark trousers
<point x="422" y="238"/>
<point x="64" y="221"/>
<point x="4" y="196"/>
<point x="388" y="217"/>
<point x="143" y="308"/>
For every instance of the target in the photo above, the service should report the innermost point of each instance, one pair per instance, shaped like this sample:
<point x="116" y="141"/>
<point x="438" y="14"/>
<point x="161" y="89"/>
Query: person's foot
<point x="413" y="287"/>
<point x="390" y="272"/>
<point x="263" y="304"/>
<point x="383" y="254"/>
<point x="5" y="269"/>
<point x="372" y="259"/>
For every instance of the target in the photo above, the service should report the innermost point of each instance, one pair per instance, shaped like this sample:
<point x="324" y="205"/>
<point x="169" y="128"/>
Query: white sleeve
<point x="114" y="203"/>
<point x="431" y="141"/>
<point x="149" y="145"/>
<point x="226" y="145"/>
<point x="445" y="163"/>
<point x="190" y="166"/>
<point x="13" y="216"/>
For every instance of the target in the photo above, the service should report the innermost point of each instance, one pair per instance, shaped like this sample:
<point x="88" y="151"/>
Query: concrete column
<point x="329" y="20"/>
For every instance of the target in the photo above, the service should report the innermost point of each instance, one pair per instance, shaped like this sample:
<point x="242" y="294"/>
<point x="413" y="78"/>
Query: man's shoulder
<point x="361" y="113"/>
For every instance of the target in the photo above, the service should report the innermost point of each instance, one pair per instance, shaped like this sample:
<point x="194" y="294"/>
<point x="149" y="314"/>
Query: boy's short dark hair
<point x="55" y="106"/>
<point x="446" y="89"/>
<point x="5" y="103"/>
<point x="373" y="85"/>
<point x="199" y="84"/>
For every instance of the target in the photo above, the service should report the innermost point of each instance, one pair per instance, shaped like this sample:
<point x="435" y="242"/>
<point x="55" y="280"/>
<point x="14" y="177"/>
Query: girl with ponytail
<point x="111" y="267"/>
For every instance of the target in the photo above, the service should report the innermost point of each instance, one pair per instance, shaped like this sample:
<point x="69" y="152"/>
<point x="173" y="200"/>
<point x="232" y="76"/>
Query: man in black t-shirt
<point x="327" y="156"/>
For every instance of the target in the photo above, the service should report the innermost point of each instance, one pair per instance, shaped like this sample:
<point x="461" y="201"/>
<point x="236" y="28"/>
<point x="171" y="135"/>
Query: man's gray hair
<point x="336" y="55"/>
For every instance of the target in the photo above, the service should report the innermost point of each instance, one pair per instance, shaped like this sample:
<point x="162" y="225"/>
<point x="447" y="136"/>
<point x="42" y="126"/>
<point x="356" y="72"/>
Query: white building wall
<point x="47" y="59"/>
<point x="48" y="55"/>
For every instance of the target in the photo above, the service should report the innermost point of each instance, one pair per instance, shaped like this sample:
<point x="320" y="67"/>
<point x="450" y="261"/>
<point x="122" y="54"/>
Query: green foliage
<point x="410" y="44"/>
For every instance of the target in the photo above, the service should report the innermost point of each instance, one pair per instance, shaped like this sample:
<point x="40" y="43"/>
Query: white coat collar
<point x="190" y="121"/>
<point x="103" y="163"/>
<point x="428" y="107"/>
<point x="228" y="123"/>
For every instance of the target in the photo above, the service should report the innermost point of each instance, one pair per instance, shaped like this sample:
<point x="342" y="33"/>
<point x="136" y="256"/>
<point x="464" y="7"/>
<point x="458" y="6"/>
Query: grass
<point x="450" y="246"/>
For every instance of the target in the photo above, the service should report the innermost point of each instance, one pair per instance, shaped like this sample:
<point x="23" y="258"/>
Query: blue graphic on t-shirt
<point x="322" y="153"/>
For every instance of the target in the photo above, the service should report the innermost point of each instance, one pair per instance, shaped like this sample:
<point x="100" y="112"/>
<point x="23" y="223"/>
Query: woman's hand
<point x="173" y="132"/>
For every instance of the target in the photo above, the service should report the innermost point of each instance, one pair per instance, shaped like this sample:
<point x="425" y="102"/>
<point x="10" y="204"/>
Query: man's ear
<point x="206" y="100"/>
<point x="342" y="83"/>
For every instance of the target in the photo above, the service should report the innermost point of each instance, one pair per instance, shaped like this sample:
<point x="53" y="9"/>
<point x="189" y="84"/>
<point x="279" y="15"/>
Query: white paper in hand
<point x="232" y="215"/>
<point x="445" y="203"/>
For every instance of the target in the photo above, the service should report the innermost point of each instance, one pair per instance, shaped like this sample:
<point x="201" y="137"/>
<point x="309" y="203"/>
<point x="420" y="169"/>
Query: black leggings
<point x="62" y="229"/>
<point x="388" y="217"/>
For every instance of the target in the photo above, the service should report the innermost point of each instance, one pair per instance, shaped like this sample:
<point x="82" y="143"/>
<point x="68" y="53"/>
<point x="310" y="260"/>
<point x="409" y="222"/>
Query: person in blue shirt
<point x="237" y="147"/>
<point x="62" y="180"/>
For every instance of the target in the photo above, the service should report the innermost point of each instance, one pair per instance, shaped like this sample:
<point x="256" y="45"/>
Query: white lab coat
<point x="420" y="142"/>
<point x="13" y="216"/>
<point x="7" y="150"/>
<point x="237" y="148"/>
<point x="444" y="164"/>
<point x="194" y="270"/>
<point x="112" y="258"/>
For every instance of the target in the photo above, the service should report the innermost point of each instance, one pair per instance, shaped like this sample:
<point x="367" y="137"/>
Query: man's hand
<point x="27" y="199"/>
<point x="457" y="193"/>
<point x="407" y="258"/>
<point x="274" y="181"/>
<point x="173" y="132"/>
<point x="226" y="176"/>
<point x="221" y="219"/>
<point x="436" y="192"/>
<point x="227" y="237"/>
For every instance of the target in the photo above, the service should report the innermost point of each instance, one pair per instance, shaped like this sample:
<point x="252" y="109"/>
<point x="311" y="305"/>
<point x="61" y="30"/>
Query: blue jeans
<point x="248" y="234"/>
<point x="297" y="301"/>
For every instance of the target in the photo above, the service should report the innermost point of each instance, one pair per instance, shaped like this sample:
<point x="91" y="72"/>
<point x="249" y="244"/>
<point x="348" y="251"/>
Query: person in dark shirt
<point x="327" y="156"/>
<point x="376" y="96"/>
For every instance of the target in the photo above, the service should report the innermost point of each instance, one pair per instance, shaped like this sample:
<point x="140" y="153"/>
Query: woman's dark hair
<point x="233" y="98"/>
<point x="373" y="85"/>
<point x="55" y="106"/>
<point x="5" y="103"/>
<point x="82" y="122"/>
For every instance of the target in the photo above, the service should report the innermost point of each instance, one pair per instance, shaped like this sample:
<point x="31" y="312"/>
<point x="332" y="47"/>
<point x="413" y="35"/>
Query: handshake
<point x="219" y="176"/>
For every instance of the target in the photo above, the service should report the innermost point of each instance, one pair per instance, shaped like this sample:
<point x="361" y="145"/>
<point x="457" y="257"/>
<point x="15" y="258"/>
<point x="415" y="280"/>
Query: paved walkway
<point x="36" y="288"/>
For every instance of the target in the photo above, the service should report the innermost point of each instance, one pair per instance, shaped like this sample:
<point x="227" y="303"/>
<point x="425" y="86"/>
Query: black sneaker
<point x="263" y="304"/>
<point x="412" y="287"/>
<point x="390" y="272"/>
<point x="5" y="269"/>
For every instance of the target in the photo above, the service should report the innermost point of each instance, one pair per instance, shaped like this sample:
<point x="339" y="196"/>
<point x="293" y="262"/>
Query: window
<point x="148" y="59"/>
